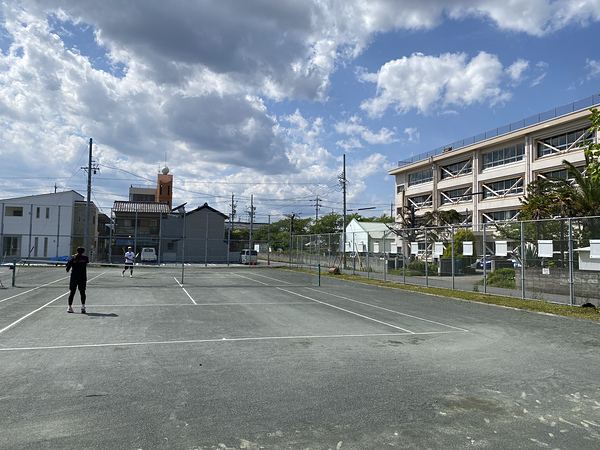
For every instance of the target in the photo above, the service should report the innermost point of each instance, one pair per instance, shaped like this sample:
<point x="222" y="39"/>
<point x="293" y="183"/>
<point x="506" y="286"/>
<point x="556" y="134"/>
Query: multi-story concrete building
<point x="483" y="177"/>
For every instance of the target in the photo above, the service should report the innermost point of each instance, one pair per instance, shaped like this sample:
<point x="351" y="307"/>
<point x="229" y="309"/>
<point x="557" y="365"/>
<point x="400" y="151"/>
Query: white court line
<point x="31" y="313"/>
<point x="31" y="290"/>
<point x="348" y="311"/>
<point x="202" y="341"/>
<point x="251" y="279"/>
<point x="186" y="292"/>
<point x="271" y="278"/>
<point x="390" y="310"/>
<point x="41" y="307"/>
<point x="171" y="305"/>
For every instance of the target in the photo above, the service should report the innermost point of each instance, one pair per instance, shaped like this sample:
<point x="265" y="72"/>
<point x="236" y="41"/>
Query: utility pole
<point x="86" y="233"/>
<point x="342" y="179"/>
<point x="232" y="211"/>
<point x="317" y="207"/>
<point x="251" y="219"/>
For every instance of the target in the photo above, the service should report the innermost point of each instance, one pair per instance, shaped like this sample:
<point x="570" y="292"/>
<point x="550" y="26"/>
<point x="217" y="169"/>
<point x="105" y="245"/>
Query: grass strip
<point x="509" y="302"/>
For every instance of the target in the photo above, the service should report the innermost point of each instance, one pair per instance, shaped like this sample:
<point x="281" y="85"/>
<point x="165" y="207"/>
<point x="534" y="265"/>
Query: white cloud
<point x="425" y="82"/>
<point x="517" y="69"/>
<point x="354" y="128"/>
<point x="593" y="68"/>
<point x="413" y="135"/>
<point x="198" y="81"/>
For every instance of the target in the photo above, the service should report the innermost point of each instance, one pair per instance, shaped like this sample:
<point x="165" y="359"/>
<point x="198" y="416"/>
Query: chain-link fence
<point x="554" y="260"/>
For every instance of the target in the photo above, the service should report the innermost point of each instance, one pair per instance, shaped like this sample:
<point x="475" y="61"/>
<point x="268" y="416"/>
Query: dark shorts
<point x="128" y="264"/>
<point x="77" y="284"/>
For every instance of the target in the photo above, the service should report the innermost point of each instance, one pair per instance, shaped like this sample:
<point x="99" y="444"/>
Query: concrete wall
<point x="556" y="281"/>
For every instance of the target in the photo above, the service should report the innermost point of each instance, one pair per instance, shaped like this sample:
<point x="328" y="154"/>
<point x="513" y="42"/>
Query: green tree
<point x="327" y="224"/>
<point x="593" y="149"/>
<point x="576" y="196"/>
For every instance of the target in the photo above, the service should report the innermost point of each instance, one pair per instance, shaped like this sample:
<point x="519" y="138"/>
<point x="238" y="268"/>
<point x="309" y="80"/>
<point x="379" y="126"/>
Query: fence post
<point x="310" y="251"/>
<point x="385" y="256"/>
<point x="58" y="233"/>
<point x="453" y="268"/>
<point x="571" y="275"/>
<point x="426" y="263"/>
<point x="368" y="251"/>
<point x="483" y="262"/>
<point x="522" y="260"/>
<point x="2" y="233"/>
<point x="403" y="260"/>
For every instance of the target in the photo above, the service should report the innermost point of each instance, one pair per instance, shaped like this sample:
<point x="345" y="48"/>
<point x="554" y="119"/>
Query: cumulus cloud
<point x="201" y="81"/>
<point x="424" y="82"/>
<point x="353" y="127"/>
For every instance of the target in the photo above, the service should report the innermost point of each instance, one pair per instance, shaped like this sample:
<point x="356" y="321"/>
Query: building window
<point x="422" y="201"/>
<point x="47" y="213"/>
<point x="499" y="216"/>
<point x="399" y="189"/>
<point x="45" y="247"/>
<point x="37" y="212"/>
<point x="11" y="246"/>
<point x="562" y="174"/>
<point x="456" y="196"/>
<point x="504" y="156"/>
<point x="562" y="142"/>
<point x="36" y="241"/>
<point x="457" y="169"/>
<point x="14" y="211"/>
<point x="502" y="188"/>
<point x="421" y="177"/>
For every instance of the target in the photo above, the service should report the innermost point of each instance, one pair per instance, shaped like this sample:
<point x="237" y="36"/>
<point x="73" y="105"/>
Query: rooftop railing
<point x="514" y="126"/>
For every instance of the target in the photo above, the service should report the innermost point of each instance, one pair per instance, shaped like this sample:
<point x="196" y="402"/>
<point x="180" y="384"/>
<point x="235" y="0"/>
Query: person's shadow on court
<point x="92" y="314"/>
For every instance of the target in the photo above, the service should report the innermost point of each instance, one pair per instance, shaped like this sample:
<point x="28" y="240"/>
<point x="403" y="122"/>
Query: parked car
<point x="478" y="264"/>
<point x="148" y="254"/>
<point x="248" y="256"/>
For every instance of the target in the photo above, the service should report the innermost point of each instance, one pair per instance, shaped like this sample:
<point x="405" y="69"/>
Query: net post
<point x="319" y="274"/>
<point x="14" y="271"/>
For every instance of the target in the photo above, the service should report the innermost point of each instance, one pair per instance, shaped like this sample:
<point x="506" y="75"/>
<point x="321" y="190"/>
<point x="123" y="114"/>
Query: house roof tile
<point x="141" y="207"/>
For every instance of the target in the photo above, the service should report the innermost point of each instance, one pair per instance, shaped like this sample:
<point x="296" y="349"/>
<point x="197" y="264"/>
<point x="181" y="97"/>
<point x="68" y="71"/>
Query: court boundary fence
<point x="555" y="260"/>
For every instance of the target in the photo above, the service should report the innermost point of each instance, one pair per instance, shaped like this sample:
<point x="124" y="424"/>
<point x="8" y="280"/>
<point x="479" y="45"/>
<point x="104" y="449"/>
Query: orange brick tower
<point x="164" y="188"/>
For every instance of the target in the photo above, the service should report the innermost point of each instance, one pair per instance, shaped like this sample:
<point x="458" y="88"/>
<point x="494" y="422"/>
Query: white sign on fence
<point x="501" y="248"/>
<point x="594" y="248"/>
<point x="545" y="249"/>
<point x="414" y="248"/>
<point x="468" y="248"/>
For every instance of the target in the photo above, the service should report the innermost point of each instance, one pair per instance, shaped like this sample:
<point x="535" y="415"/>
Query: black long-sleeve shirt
<point x="78" y="266"/>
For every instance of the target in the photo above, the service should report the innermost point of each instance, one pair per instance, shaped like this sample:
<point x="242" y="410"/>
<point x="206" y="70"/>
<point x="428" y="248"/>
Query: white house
<point x="372" y="237"/>
<point x="44" y="226"/>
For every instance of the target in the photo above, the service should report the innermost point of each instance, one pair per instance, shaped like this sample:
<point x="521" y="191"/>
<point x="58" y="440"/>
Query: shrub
<point x="501" y="278"/>
<point x="418" y="268"/>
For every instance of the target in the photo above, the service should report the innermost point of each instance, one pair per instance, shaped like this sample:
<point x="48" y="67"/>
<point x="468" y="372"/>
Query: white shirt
<point x="129" y="257"/>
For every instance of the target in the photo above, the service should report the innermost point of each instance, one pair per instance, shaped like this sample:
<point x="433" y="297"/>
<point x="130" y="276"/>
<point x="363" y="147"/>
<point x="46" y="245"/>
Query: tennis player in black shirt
<point x="78" y="277"/>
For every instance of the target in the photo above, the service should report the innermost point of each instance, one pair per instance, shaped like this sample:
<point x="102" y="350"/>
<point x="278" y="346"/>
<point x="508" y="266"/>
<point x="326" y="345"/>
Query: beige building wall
<point x="499" y="200"/>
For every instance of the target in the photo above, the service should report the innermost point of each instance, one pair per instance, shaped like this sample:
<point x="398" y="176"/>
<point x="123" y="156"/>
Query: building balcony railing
<point x="141" y="231"/>
<point x="585" y="103"/>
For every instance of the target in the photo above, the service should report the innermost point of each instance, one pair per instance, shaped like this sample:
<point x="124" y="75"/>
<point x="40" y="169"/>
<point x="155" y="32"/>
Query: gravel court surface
<point x="287" y="364"/>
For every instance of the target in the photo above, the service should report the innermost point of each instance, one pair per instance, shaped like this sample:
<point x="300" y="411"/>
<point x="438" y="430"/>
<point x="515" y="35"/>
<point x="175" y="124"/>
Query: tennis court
<point x="264" y="357"/>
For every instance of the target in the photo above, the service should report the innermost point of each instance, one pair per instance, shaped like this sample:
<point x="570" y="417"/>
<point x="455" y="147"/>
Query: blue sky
<point x="263" y="98"/>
